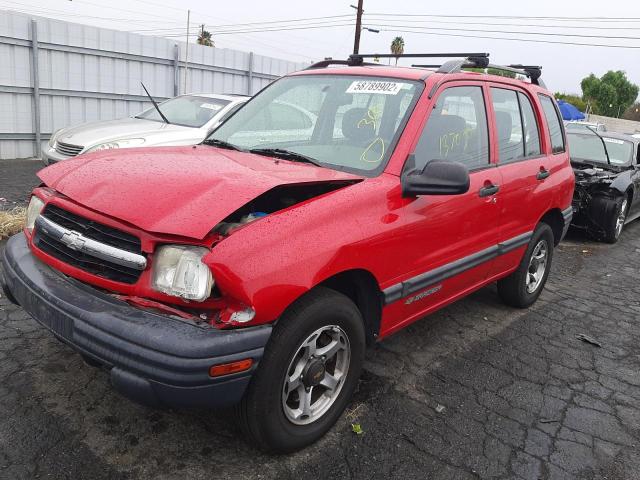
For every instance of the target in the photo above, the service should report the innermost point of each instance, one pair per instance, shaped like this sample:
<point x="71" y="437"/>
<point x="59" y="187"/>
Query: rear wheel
<point x="619" y="208"/>
<point x="523" y="287"/>
<point x="307" y="375"/>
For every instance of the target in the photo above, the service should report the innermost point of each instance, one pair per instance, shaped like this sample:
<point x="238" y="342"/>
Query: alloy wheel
<point x="622" y="216"/>
<point x="537" y="266"/>
<point x="316" y="375"/>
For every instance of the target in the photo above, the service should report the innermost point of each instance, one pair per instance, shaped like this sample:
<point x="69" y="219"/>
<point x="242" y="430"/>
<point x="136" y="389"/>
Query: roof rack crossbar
<point x="534" y="72"/>
<point x="358" y="58"/>
<point x="443" y="65"/>
<point x="326" y="63"/>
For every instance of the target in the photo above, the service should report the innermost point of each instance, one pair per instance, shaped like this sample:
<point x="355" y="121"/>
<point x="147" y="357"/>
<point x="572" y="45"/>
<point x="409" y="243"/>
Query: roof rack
<point x="463" y="60"/>
<point x="533" y="72"/>
<point x="357" y="59"/>
<point x="475" y="58"/>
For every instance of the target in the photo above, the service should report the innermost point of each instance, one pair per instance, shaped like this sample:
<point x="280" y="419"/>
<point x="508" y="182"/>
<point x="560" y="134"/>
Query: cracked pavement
<point x="523" y="398"/>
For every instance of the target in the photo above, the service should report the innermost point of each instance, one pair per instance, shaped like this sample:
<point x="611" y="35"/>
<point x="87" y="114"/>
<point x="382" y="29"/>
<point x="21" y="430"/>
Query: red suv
<point x="339" y="205"/>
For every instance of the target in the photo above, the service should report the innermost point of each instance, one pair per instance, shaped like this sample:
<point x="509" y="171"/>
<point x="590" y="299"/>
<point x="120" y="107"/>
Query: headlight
<point x="178" y="271"/>
<point x="54" y="137"/>
<point x="124" y="143"/>
<point x="33" y="211"/>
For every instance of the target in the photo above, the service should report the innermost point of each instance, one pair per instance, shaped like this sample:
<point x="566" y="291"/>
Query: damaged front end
<point x="594" y="188"/>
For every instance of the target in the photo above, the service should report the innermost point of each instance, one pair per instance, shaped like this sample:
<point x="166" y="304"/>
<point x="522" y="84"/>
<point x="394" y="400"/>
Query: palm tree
<point x="397" y="47"/>
<point x="205" y="38"/>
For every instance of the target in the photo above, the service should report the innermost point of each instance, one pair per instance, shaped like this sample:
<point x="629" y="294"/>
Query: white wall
<point x="88" y="73"/>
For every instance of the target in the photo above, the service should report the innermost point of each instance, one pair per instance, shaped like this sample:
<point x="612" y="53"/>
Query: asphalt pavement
<point x="477" y="390"/>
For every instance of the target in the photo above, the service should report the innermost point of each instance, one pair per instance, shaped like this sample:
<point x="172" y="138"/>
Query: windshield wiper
<point x="604" y="144"/>
<point x="155" y="104"/>
<point x="214" y="142"/>
<point x="285" y="155"/>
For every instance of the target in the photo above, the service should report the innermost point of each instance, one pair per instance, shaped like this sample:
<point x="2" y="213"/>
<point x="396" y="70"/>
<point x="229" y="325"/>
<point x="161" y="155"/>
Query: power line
<point x="589" y="27"/>
<point x="217" y="28"/>
<point x="515" y="17"/>
<point x="36" y="10"/>
<point x="512" y="32"/>
<point x="529" y="40"/>
<point x="306" y="27"/>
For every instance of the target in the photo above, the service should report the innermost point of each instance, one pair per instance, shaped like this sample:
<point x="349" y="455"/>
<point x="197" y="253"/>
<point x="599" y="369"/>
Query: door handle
<point x="543" y="173"/>
<point x="488" y="190"/>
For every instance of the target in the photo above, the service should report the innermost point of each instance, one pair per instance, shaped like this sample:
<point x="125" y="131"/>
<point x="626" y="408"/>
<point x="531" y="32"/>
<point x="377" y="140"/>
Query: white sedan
<point x="188" y="120"/>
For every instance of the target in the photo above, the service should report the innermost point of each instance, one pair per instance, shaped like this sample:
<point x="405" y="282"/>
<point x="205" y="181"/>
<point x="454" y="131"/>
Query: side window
<point x="553" y="121"/>
<point x="508" y="124"/>
<point x="531" y="130"/>
<point x="456" y="129"/>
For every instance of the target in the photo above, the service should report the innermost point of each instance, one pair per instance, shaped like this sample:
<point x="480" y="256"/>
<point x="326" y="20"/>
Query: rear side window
<point x="530" y="125"/>
<point x="508" y="124"/>
<point x="553" y="121"/>
<point x="456" y="129"/>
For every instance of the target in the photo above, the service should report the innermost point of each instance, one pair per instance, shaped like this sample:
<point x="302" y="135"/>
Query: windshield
<point x="187" y="110"/>
<point x="343" y="122"/>
<point x="589" y="148"/>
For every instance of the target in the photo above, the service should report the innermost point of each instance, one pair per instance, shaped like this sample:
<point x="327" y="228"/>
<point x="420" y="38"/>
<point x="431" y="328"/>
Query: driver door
<point x="449" y="241"/>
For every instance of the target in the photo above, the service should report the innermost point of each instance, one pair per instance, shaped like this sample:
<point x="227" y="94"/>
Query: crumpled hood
<point x="89" y="134"/>
<point x="182" y="191"/>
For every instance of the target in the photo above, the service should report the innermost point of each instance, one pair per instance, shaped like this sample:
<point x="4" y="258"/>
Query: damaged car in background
<point x="607" y="182"/>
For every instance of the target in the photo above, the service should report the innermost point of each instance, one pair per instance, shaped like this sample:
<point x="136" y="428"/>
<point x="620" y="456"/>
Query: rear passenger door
<point x="525" y="169"/>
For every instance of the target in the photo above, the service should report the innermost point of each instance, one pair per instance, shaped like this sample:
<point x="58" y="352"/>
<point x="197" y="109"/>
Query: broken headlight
<point x="33" y="212"/>
<point x="178" y="271"/>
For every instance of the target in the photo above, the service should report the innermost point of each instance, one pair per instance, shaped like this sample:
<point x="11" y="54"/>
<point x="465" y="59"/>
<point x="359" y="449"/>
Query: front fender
<point x="623" y="182"/>
<point x="273" y="261"/>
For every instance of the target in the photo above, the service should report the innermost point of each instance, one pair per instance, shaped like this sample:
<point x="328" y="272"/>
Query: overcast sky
<point x="563" y="65"/>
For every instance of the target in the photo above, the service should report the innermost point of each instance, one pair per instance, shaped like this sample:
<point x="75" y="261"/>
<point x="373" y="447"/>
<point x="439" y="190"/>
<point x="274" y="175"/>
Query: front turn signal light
<point x="229" y="368"/>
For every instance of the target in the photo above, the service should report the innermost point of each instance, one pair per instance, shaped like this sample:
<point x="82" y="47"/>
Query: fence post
<point x="35" y="78"/>
<point x="176" y="70"/>
<point x="250" y="75"/>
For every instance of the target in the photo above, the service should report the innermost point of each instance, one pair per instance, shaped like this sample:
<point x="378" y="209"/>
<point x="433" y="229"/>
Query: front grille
<point x="95" y="231"/>
<point x="67" y="149"/>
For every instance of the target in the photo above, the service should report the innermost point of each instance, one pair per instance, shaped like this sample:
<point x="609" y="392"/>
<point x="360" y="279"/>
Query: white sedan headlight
<point x="124" y="143"/>
<point x="54" y="137"/>
<point x="178" y="271"/>
<point x="33" y="211"/>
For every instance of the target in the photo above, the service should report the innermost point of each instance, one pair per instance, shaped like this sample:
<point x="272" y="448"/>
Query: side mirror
<point x="438" y="177"/>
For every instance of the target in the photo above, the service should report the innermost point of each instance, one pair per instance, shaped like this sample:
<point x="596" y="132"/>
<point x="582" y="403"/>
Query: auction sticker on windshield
<point x="368" y="86"/>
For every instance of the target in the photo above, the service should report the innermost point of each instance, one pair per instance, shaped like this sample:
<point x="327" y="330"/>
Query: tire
<point x="519" y="289"/>
<point x="617" y="214"/>
<point x="266" y="413"/>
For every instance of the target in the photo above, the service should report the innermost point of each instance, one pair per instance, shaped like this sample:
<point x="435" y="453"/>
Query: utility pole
<point x="356" y="42"/>
<point x="186" y="54"/>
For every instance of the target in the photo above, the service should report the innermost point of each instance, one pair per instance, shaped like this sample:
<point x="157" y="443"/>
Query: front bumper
<point x="50" y="156"/>
<point x="152" y="359"/>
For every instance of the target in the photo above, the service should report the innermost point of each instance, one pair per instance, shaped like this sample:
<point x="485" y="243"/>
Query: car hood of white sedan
<point x="94" y="133"/>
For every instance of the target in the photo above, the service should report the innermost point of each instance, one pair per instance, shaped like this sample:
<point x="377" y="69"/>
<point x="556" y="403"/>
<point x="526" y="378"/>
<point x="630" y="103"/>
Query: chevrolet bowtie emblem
<point x="73" y="240"/>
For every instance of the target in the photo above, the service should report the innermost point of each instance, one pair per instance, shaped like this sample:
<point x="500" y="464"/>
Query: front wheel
<point x="523" y="287"/>
<point x="616" y="219"/>
<point x="307" y="375"/>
